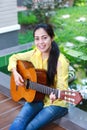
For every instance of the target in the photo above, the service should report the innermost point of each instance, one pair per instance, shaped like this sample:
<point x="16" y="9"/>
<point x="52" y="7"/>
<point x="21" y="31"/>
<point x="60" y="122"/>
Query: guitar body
<point x="27" y="71"/>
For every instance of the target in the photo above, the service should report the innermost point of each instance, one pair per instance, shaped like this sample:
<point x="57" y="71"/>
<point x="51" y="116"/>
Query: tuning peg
<point x="70" y="93"/>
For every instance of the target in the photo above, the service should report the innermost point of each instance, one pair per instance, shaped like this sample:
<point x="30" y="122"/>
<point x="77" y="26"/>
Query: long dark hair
<point x="54" y="53"/>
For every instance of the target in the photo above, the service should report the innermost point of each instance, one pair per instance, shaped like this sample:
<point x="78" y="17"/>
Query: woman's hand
<point x="52" y="97"/>
<point x="18" y="78"/>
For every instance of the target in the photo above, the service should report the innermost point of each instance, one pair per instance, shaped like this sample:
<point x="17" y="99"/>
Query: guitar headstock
<point x="73" y="97"/>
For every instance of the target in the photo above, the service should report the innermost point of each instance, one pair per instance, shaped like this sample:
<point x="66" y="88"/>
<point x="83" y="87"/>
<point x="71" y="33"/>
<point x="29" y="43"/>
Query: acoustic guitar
<point x="35" y="86"/>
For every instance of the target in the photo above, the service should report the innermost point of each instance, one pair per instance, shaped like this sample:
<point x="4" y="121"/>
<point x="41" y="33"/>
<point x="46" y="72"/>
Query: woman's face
<point x="42" y="40"/>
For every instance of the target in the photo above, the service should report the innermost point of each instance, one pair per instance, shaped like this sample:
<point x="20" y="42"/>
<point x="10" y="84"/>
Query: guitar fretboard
<point x="42" y="88"/>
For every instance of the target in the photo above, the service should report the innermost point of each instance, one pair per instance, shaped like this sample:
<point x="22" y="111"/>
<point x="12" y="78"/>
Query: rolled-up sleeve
<point x="20" y="56"/>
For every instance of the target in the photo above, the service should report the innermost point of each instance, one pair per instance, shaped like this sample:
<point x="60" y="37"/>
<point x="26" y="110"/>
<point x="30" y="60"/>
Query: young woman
<point x="46" y="55"/>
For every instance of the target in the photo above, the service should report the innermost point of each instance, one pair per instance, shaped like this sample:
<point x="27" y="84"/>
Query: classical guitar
<point x="35" y="86"/>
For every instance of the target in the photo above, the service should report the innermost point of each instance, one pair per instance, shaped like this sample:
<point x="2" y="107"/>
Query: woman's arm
<point x="62" y="73"/>
<point x="20" y="56"/>
<point x="62" y="76"/>
<point x="19" y="81"/>
<point x="12" y="66"/>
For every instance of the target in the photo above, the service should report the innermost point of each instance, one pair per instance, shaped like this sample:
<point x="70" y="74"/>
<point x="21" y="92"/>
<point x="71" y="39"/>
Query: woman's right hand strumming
<point x="18" y="78"/>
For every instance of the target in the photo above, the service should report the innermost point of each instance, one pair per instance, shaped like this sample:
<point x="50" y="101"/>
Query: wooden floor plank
<point x="2" y="97"/>
<point x="5" y="128"/>
<point x="7" y="105"/>
<point x="7" y="118"/>
<point x="52" y="126"/>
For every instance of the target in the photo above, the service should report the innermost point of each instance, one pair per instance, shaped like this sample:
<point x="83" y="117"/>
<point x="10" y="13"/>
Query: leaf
<point x="73" y="52"/>
<point x="83" y="58"/>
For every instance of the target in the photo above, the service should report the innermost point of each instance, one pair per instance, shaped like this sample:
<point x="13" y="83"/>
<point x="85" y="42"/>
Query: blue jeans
<point x="34" y="116"/>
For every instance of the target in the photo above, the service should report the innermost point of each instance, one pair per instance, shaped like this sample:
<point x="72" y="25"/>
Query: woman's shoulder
<point x="62" y="58"/>
<point x="32" y="51"/>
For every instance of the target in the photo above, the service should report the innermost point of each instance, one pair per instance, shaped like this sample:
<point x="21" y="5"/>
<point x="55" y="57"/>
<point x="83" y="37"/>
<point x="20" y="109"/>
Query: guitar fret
<point x="56" y="91"/>
<point x="42" y="88"/>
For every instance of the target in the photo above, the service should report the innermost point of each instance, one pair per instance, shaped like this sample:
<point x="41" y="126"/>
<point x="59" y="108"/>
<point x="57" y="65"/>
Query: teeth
<point x="41" y="47"/>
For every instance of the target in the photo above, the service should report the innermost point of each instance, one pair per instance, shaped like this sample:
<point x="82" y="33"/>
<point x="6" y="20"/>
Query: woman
<point x="46" y="55"/>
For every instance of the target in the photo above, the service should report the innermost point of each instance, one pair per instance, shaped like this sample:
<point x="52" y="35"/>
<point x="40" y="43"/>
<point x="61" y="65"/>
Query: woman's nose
<point x="41" y="41"/>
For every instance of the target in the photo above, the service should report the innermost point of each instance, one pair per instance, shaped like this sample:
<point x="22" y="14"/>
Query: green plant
<point x="67" y="29"/>
<point x="25" y="37"/>
<point x="43" y="10"/>
<point x="80" y="2"/>
<point x="26" y="17"/>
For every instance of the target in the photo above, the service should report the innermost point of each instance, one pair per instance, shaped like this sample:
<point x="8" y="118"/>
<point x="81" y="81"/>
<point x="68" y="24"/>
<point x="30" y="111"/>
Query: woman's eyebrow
<point x="41" y="36"/>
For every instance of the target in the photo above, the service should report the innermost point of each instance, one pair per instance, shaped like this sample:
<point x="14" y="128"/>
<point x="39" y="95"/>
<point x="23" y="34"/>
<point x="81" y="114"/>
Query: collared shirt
<point x="61" y="78"/>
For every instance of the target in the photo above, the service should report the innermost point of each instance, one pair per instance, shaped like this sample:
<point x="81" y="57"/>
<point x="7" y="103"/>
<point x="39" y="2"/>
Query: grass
<point x="25" y="37"/>
<point x="66" y="29"/>
<point x="69" y="28"/>
<point x="26" y="17"/>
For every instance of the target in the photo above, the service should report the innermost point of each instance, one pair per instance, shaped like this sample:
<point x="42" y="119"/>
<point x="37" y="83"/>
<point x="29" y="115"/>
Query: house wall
<point x="20" y="2"/>
<point x="8" y="23"/>
<point x="8" y="13"/>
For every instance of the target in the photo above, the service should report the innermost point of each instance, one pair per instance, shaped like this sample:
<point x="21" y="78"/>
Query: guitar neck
<point x="42" y="88"/>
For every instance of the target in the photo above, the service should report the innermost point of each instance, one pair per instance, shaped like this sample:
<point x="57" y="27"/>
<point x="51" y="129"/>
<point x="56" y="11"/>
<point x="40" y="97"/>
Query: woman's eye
<point x="45" y="38"/>
<point x="36" y="39"/>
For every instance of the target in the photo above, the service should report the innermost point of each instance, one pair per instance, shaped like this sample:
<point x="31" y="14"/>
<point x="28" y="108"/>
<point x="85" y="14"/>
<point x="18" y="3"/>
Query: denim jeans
<point x="34" y="116"/>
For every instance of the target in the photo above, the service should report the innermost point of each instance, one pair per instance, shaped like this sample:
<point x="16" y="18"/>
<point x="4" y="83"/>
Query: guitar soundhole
<point x="27" y="84"/>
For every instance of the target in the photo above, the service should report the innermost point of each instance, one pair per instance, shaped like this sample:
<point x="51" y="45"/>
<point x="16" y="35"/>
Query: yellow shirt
<point x="61" y="78"/>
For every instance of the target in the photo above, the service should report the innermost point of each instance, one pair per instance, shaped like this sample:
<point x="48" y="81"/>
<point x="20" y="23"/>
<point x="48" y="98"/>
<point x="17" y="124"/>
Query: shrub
<point x="80" y="2"/>
<point x="26" y="18"/>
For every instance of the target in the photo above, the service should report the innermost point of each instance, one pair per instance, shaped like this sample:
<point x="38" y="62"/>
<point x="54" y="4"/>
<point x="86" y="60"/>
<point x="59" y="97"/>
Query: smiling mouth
<point x="41" y="47"/>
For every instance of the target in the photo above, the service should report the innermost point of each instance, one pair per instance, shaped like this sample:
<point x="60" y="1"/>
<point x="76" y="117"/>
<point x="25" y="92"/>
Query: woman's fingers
<point x="52" y="97"/>
<point x="18" y="79"/>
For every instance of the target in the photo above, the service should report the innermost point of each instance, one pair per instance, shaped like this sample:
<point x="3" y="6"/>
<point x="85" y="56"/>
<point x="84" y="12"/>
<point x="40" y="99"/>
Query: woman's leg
<point x="26" y="114"/>
<point x="45" y="116"/>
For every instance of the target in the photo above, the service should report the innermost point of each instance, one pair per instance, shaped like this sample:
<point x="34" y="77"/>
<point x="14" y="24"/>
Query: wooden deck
<point x="8" y="111"/>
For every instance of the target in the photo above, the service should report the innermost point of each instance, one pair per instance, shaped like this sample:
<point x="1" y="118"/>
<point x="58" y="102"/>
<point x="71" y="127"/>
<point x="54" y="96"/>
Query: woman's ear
<point x="52" y="39"/>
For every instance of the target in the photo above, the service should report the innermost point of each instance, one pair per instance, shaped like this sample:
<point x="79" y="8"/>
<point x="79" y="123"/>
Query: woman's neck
<point x="45" y="55"/>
